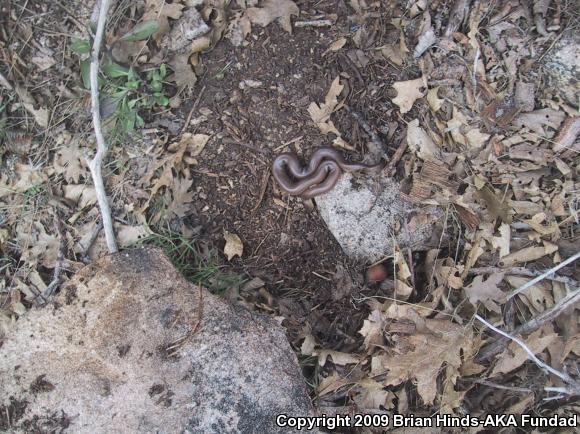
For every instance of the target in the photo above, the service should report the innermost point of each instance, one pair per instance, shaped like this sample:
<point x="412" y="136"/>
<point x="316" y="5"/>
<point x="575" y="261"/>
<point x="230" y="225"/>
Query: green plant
<point x="197" y="267"/>
<point x="123" y="90"/>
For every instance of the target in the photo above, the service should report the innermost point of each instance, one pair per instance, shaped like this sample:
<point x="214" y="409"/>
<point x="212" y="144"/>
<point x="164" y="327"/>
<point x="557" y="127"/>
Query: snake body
<point x="318" y="177"/>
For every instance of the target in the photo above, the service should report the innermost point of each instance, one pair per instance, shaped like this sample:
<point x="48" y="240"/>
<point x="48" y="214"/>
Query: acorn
<point x="376" y="273"/>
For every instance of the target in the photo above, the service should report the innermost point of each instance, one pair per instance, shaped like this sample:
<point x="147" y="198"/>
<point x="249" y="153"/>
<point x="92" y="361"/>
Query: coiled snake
<point x="319" y="177"/>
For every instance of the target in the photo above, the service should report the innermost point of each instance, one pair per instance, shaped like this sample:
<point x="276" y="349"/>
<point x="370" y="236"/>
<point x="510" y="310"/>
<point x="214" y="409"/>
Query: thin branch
<point x="543" y="276"/>
<point x="530" y="326"/>
<point x="521" y="271"/>
<point x="575" y="386"/>
<point x="95" y="165"/>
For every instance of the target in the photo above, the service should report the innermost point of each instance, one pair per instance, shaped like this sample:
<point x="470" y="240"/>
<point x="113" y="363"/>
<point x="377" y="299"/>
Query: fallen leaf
<point x="81" y="194"/>
<point x="233" y="247"/>
<point x="487" y="291"/>
<point x="503" y="241"/>
<point x="372" y="330"/>
<point x="536" y="121"/>
<point x="239" y="27"/>
<point x="527" y="254"/>
<point x="69" y="161"/>
<point x="183" y="75"/>
<point x="161" y="11"/>
<point x="36" y="245"/>
<point x="40" y="115"/>
<point x="194" y="145"/>
<point x="476" y="139"/>
<point x="29" y="176"/>
<point x="408" y="92"/>
<point x="421" y="143"/>
<point x="43" y="62"/>
<point x="320" y="113"/>
<point x="308" y="345"/>
<point x="373" y="395"/>
<point x="330" y="384"/>
<point x="182" y="196"/>
<point x="434" y="101"/>
<point x="515" y="356"/>
<point x="335" y="46"/>
<point x="338" y="358"/>
<point x="447" y="343"/>
<point x="271" y="10"/>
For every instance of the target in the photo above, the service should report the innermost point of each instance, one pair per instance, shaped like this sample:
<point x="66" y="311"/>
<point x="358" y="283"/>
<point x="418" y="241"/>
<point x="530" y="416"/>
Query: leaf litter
<point x="485" y="141"/>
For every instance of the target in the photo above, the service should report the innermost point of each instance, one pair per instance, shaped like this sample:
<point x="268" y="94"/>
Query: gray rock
<point x="190" y="26"/>
<point x="364" y="215"/>
<point x="115" y="354"/>
<point x="562" y="67"/>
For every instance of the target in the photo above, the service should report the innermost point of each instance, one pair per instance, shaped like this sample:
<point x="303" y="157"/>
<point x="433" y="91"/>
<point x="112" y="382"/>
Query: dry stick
<point x="543" y="276"/>
<point x="368" y="129"/>
<point x="390" y="168"/>
<point x="95" y="164"/>
<point x="521" y="271"/>
<point x="532" y="325"/>
<point x="193" y="108"/>
<point x="575" y="386"/>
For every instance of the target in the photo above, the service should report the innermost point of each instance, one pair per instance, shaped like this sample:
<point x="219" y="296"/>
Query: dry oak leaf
<point x="271" y="10"/>
<point x="184" y="76"/>
<point x="320" y="113"/>
<point x="40" y="115"/>
<point x="487" y="291"/>
<point x="234" y="246"/>
<point x="528" y="254"/>
<point x="36" y="245"/>
<point x="161" y="11"/>
<point x="421" y="143"/>
<point x="335" y="46"/>
<point x="308" y="345"/>
<point x="446" y="342"/>
<point x="514" y="356"/>
<point x="182" y="196"/>
<point x="536" y="120"/>
<point x="80" y="194"/>
<point x="338" y="358"/>
<point x="372" y="330"/>
<point x="408" y="92"/>
<point x="373" y="395"/>
<point x="28" y="176"/>
<point x="239" y="27"/>
<point x="331" y="384"/>
<point x="70" y="162"/>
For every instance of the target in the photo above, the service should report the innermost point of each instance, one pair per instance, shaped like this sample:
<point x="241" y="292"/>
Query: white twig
<point x="563" y="376"/>
<point x="543" y="276"/>
<point x="313" y="23"/>
<point x="96" y="163"/>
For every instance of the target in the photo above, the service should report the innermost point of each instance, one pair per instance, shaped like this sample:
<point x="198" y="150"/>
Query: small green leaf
<point x="133" y="84"/>
<point x="80" y="46"/>
<point x="162" y="71"/>
<point x="86" y="72"/>
<point x="140" y="121"/>
<point x="162" y="100"/>
<point x="156" y="86"/>
<point x="114" y="70"/>
<point x="141" y="31"/>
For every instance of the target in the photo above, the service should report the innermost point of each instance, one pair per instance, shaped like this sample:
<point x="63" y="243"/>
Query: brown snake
<point x="319" y="177"/>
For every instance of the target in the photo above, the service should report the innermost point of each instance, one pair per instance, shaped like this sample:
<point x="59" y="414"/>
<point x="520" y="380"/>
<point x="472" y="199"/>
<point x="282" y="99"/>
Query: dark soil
<point x="286" y="243"/>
